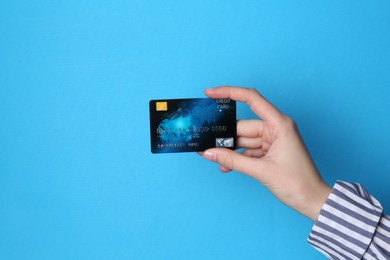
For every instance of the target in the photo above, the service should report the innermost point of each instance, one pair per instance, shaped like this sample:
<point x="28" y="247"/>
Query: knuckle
<point x="228" y="162"/>
<point x="288" y="122"/>
<point x="253" y="91"/>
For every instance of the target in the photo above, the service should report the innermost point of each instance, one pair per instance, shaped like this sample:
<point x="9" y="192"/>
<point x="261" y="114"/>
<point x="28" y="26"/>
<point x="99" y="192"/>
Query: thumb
<point x="233" y="160"/>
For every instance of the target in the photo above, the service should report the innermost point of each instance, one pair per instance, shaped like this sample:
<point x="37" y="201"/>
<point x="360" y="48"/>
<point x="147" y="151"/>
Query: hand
<point x="274" y="154"/>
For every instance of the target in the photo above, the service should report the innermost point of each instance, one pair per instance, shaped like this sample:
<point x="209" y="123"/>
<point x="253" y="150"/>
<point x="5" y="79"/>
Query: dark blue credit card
<point x="191" y="125"/>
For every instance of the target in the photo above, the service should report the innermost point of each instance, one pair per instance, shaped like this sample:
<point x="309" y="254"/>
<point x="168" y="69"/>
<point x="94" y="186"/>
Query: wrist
<point x="315" y="200"/>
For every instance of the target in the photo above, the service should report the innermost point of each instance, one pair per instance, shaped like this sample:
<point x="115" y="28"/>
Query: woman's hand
<point x="274" y="154"/>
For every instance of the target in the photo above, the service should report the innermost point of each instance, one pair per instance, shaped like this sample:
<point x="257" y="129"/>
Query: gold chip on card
<point x="162" y="106"/>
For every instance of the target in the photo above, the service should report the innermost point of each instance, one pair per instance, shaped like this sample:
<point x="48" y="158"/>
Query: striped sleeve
<point x="351" y="225"/>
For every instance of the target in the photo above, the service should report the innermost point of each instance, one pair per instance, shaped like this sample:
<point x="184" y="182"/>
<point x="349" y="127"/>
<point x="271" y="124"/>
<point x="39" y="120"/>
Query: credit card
<point x="191" y="125"/>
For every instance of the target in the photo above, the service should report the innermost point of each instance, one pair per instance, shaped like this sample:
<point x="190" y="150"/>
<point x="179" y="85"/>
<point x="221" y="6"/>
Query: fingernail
<point x="209" y="90"/>
<point x="210" y="156"/>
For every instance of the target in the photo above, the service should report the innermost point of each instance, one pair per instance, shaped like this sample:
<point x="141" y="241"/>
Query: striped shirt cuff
<point x="347" y="222"/>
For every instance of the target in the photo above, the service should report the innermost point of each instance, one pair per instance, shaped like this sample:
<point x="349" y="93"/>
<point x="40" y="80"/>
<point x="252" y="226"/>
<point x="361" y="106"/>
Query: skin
<point x="274" y="154"/>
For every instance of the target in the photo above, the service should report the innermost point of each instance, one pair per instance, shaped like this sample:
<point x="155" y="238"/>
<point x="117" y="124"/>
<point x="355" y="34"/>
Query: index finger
<point x="259" y="105"/>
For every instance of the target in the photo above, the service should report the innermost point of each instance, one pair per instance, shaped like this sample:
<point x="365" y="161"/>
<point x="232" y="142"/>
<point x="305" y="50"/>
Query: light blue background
<point x="77" y="179"/>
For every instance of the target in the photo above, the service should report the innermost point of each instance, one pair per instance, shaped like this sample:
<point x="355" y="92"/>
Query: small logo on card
<point x="224" y="142"/>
